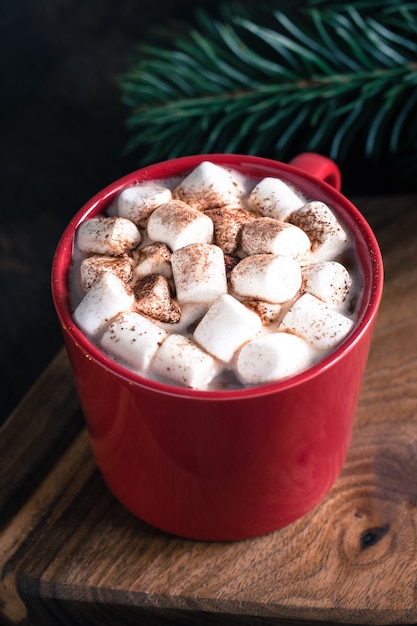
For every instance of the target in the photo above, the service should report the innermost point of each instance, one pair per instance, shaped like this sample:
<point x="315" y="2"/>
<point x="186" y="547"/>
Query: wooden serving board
<point x="71" y="554"/>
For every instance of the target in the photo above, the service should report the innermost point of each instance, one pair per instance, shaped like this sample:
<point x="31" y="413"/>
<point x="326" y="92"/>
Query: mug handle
<point x="320" y="167"/>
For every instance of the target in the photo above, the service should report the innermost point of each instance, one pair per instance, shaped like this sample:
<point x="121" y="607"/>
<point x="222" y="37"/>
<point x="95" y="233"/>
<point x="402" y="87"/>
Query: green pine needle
<point x="272" y="81"/>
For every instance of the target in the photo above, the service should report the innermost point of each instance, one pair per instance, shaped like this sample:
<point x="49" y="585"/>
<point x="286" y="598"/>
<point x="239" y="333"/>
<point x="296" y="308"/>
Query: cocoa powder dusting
<point x="176" y="213"/>
<point x="199" y="201"/>
<point x="228" y="223"/>
<point x="153" y="297"/>
<point x="230" y="262"/>
<point x="317" y="229"/>
<point x="158" y="249"/>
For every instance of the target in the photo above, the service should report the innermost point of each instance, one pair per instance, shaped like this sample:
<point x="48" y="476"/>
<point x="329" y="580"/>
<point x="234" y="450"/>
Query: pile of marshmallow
<point x="211" y="275"/>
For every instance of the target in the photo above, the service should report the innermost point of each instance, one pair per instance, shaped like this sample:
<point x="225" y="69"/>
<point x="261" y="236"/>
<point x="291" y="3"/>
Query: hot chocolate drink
<point x="215" y="280"/>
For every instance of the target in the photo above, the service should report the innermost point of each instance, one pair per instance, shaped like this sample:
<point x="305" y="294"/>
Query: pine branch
<point x="272" y="81"/>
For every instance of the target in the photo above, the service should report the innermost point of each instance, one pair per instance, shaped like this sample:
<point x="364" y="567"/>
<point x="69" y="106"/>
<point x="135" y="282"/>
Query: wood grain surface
<point x="71" y="554"/>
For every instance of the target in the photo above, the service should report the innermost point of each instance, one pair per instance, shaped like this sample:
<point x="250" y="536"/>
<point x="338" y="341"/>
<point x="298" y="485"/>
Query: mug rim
<point x="366" y="247"/>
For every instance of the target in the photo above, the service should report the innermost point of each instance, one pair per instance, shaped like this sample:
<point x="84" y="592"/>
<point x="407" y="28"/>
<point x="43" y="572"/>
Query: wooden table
<point x="71" y="554"/>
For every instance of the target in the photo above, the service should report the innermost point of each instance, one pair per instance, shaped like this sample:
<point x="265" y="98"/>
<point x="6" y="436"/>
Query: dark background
<point x="62" y="139"/>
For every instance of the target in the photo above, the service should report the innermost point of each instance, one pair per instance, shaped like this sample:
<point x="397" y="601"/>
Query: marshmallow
<point x="318" y="221"/>
<point x="316" y="322"/>
<point x="176" y="224"/>
<point x="228" y="223"/>
<point x="267" y="311"/>
<point x="208" y="186"/>
<point x="107" y="297"/>
<point x="154" y="258"/>
<point x="153" y="298"/>
<point x="267" y="235"/>
<point x="199" y="273"/>
<point x="93" y="266"/>
<point x="132" y="339"/>
<point x="191" y="314"/>
<point x="273" y="197"/>
<point x="108" y="235"/>
<point x="266" y="277"/>
<point x="327" y="280"/>
<point x="226" y="326"/>
<point x="138" y="201"/>
<point x="272" y="357"/>
<point x="181" y="361"/>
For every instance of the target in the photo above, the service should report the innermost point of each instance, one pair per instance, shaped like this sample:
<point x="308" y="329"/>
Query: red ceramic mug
<point x="232" y="464"/>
